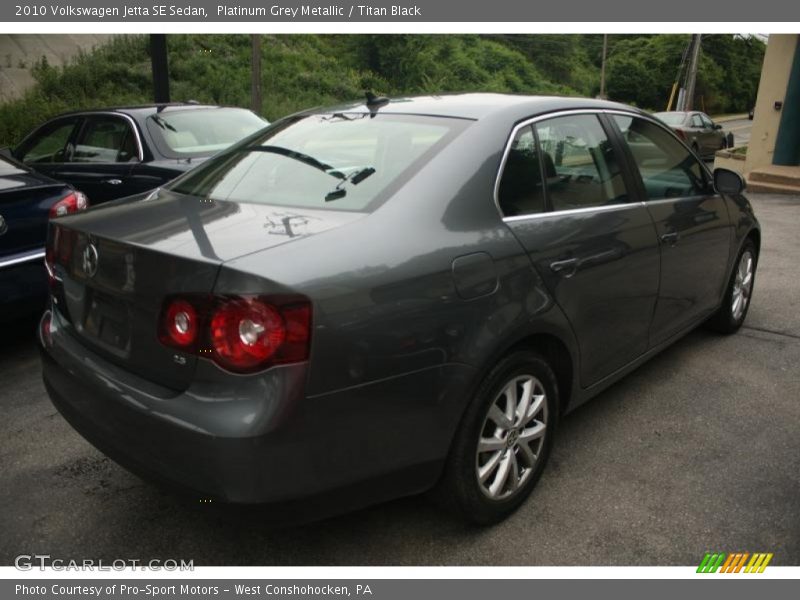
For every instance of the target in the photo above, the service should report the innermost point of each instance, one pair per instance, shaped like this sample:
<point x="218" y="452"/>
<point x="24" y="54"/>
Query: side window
<point x="580" y="167"/>
<point x="520" y="191"/>
<point x="706" y="121"/>
<point x="49" y="144"/>
<point x="105" y="140"/>
<point x="667" y="168"/>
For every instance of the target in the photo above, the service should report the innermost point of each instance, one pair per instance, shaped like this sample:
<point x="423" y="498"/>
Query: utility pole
<point x="160" y="67"/>
<point x="255" y="74"/>
<point x="603" y="68"/>
<point x="691" y="76"/>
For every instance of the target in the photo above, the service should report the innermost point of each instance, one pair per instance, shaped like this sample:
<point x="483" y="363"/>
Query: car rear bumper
<point x="242" y="446"/>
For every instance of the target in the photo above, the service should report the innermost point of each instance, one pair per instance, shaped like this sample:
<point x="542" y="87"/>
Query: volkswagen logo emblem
<point x="90" y="260"/>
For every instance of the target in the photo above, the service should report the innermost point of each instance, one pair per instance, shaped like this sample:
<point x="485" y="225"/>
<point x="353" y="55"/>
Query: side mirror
<point x="728" y="182"/>
<point x="717" y="126"/>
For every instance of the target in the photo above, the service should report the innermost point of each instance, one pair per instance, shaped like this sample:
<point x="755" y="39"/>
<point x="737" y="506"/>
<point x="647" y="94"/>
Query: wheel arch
<point x="556" y="352"/>
<point x="555" y="344"/>
<point x="755" y="236"/>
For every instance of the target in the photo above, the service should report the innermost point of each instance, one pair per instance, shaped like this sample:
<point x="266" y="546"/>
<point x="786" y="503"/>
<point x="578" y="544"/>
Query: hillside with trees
<point x="300" y="71"/>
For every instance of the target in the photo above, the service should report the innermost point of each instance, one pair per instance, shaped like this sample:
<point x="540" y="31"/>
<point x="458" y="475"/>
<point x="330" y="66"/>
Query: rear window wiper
<point x="295" y="155"/>
<point x="355" y="178"/>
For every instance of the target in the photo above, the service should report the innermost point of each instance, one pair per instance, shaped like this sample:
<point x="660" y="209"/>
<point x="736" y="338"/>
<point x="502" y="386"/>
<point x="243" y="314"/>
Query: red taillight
<point x="180" y="324"/>
<point x="59" y="251"/>
<point x="245" y="333"/>
<point x="240" y="333"/>
<point x="71" y="203"/>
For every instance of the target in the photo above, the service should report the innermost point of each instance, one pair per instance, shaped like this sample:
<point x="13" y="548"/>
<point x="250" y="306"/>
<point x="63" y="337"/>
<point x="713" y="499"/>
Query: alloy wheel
<point x="512" y="437"/>
<point x="742" y="285"/>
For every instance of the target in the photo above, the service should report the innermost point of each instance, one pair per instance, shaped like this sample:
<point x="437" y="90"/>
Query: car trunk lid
<point x="119" y="262"/>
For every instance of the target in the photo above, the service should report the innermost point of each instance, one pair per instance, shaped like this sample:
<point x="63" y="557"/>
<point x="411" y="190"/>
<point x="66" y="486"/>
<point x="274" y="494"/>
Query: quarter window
<point x="667" y="167"/>
<point x="579" y="164"/>
<point x="521" y="191"/>
<point x="105" y="140"/>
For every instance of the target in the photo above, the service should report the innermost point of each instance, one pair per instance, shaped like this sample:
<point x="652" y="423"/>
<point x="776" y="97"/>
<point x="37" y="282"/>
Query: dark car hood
<point x="194" y="228"/>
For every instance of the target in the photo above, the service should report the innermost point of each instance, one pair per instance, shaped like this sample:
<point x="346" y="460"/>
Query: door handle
<point x="112" y="181"/>
<point x="670" y="238"/>
<point x="566" y="267"/>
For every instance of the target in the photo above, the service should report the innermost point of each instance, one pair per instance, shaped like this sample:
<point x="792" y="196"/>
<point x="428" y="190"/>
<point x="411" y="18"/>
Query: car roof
<point x="477" y="105"/>
<point x="143" y="110"/>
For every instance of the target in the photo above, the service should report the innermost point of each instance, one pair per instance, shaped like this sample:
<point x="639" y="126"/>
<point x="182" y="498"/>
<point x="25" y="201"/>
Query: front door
<point x="100" y="163"/>
<point x="692" y="223"/>
<point x="49" y="147"/>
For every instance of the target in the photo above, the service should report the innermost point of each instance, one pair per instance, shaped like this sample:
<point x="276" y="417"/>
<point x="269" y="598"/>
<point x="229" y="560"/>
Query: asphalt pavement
<point x="696" y="451"/>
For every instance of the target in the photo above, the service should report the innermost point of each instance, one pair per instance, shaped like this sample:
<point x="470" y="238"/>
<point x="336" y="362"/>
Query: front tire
<point x="504" y="440"/>
<point x="736" y="302"/>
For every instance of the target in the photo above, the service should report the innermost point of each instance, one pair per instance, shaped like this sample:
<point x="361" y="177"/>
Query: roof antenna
<point x="375" y="102"/>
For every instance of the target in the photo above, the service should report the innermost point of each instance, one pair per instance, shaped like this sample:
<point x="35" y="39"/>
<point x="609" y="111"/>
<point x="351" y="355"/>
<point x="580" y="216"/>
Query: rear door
<point x="692" y="223"/>
<point x="566" y="197"/>
<point x="100" y="163"/>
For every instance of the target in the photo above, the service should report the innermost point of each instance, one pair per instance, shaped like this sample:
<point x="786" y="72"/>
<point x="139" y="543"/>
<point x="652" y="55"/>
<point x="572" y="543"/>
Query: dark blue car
<point x="27" y="201"/>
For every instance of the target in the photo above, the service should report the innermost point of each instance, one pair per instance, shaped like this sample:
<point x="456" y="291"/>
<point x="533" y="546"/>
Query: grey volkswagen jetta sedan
<point x="381" y="298"/>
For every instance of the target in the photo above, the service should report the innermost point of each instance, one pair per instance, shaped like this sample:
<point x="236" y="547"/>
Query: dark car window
<point x="580" y="167"/>
<point x="707" y="123"/>
<point x="201" y="131"/>
<point x="521" y="191"/>
<point x="105" y="139"/>
<point x="667" y="167"/>
<point x="697" y="121"/>
<point x="345" y="161"/>
<point x="48" y="145"/>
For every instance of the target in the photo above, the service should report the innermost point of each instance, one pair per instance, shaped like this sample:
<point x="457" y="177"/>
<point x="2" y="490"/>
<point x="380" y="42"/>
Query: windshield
<point x="671" y="118"/>
<point x="345" y="161"/>
<point x="201" y="131"/>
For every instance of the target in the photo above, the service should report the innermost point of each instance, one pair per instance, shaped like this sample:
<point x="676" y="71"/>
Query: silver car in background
<point x="696" y="129"/>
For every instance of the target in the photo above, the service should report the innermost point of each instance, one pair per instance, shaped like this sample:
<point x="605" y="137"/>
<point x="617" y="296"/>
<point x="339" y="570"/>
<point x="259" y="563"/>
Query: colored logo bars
<point x="734" y="562"/>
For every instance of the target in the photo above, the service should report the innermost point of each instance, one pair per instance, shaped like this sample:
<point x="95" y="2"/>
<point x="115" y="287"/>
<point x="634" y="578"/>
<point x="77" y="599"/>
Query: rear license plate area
<point x="107" y="320"/>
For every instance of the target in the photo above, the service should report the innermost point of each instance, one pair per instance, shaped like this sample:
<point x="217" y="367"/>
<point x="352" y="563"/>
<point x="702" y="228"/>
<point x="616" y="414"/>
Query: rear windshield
<point x="201" y="131"/>
<point x="344" y="161"/>
<point x="671" y="118"/>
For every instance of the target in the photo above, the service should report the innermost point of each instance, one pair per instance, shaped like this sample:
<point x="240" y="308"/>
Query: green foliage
<point x="642" y="70"/>
<point x="300" y="71"/>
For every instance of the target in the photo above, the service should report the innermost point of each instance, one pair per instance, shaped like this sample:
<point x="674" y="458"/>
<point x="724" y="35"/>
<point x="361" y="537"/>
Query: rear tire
<point x="504" y="440"/>
<point x="736" y="302"/>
